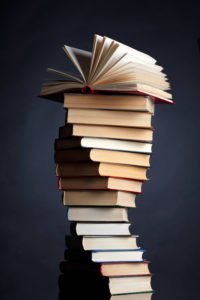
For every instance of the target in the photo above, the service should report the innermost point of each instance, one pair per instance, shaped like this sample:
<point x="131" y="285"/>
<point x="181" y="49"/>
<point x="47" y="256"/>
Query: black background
<point x="32" y="218"/>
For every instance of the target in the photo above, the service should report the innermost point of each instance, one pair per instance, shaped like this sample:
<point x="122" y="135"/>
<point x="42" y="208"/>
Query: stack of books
<point x="103" y="154"/>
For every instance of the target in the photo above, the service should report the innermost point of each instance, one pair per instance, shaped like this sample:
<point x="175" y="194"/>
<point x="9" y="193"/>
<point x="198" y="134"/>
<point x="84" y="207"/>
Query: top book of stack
<point x="111" y="68"/>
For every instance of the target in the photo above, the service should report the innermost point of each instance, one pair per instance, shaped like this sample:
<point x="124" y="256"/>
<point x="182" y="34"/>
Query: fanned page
<point x="111" y="67"/>
<point x="81" y="60"/>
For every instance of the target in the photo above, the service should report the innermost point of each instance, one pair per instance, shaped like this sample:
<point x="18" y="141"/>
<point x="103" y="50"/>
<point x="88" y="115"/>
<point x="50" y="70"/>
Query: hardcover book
<point x="99" y="183"/>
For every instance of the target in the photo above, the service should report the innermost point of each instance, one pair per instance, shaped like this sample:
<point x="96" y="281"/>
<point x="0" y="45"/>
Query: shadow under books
<point x="80" y="278"/>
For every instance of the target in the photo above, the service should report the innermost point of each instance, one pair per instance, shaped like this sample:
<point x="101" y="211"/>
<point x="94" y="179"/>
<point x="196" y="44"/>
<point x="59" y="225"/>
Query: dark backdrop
<point x="32" y="218"/>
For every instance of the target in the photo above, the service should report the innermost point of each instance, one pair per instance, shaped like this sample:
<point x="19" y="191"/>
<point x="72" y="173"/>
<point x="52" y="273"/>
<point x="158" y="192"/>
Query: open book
<point x="110" y="67"/>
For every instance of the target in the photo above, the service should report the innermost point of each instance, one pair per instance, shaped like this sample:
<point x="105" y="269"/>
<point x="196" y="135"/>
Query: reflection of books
<point x="113" y="67"/>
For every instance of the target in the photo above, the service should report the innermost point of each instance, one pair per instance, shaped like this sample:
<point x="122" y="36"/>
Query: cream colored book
<point x="130" y="284"/>
<point x="120" y="157"/>
<point x="113" y="67"/>
<point x="110" y="242"/>
<point x="113" y="102"/>
<point x="109" y="117"/>
<point x="98" y="214"/>
<point x="99" y="198"/>
<point x="103" y="228"/>
<point x="113" y="132"/>
<point x="117" y="256"/>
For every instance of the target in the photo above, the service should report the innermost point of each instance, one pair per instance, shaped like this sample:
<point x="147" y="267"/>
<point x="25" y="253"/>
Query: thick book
<point x="109" y="117"/>
<point x="101" y="169"/>
<point x="118" y="102"/>
<point x="99" y="198"/>
<point x="99" y="183"/>
<point x="110" y="242"/>
<point x="130" y="284"/>
<point x="98" y="214"/>
<point x="120" y="157"/>
<point x="113" y="132"/>
<point x="125" y="269"/>
<point x="113" y="67"/>
<point x="101" y="155"/>
<point x="118" y="256"/>
<point x="103" y="229"/>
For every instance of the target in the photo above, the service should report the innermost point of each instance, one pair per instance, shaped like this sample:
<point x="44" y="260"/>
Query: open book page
<point x="132" y="77"/>
<point x="95" y="53"/>
<point x="127" y="69"/>
<point x="119" y="55"/>
<point x="132" y="67"/>
<point x="129" y="87"/>
<point x="100" y="54"/>
<point x="128" y="75"/>
<point x="108" y="63"/>
<point x="57" y="87"/>
<point x="130" y="58"/>
<point x="137" y="54"/>
<point x="64" y="74"/>
<point x="81" y="59"/>
<point x="125" y="54"/>
<point x="121" y="61"/>
<point x="106" y="60"/>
